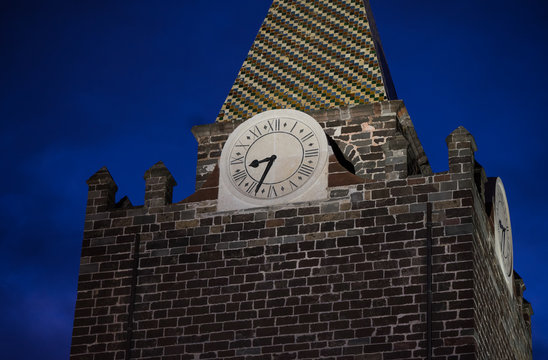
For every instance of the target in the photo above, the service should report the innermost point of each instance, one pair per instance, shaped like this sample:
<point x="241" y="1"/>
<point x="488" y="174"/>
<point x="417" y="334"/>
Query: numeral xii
<point x="274" y="124"/>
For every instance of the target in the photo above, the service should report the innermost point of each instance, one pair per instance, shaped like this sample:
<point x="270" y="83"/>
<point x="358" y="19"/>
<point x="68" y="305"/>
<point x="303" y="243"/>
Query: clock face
<point x="505" y="236"/>
<point x="274" y="157"/>
<point x="503" y="231"/>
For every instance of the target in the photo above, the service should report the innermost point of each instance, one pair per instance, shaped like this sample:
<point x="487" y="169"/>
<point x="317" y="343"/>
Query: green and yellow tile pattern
<point x="308" y="55"/>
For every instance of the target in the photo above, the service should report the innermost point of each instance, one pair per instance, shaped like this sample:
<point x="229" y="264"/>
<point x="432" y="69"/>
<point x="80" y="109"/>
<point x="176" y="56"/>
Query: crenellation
<point x="101" y="192"/>
<point x="159" y="185"/>
<point x="345" y="277"/>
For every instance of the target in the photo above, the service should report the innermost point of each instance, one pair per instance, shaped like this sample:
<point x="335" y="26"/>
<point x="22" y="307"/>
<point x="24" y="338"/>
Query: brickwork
<point x="104" y="282"/>
<point x="343" y="278"/>
<point x="500" y="324"/>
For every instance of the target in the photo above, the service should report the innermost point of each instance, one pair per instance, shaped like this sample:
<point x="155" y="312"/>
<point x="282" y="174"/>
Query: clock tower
<point x="317" y="229"/>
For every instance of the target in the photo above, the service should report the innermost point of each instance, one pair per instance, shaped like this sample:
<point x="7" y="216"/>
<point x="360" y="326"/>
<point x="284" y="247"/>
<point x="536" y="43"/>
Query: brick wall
<point x="343" y="278"/>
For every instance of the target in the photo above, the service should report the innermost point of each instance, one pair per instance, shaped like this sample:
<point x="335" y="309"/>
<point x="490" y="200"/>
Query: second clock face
<point x="274" y="156"/>
<point x="503" y="230"/>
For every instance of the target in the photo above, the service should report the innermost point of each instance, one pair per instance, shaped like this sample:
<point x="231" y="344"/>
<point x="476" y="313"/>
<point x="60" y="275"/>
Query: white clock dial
<point x="505" y="237"/>
<point x="274" y="157"/>
<point x="503" y="232"/>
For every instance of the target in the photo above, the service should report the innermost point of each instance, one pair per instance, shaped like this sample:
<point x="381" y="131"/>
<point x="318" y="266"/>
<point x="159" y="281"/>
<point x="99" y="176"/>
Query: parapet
<point x="360" y="254"/>
<point x="101" y="192"/>
<point x="159" y="185"/>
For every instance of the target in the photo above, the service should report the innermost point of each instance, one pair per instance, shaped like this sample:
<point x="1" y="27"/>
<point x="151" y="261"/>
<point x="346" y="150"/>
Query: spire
<point x="308" y="55"/>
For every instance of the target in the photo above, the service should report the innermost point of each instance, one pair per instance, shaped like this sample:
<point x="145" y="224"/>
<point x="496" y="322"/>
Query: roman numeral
<point x="274" y="124"/>
<point x="239" y="144"/>
<point x="272" y="191"/>
<point x="293" y="185"/>
<point x="257" y="132"/>
<point x="239" y="177"/>
<point x="311" y="153"/>
<point x="237" y="160"/>
<point x="306" y="170"/>
<point x="251" y="187"/>
<point x="293" y="127"/>
<point x="307" y="136"/>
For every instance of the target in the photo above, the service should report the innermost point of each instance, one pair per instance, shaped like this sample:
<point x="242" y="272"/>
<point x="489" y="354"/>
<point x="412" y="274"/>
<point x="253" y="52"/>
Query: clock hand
<point x="501" y="226"/>
<point x="268" y="166"/>
<point x="503" y="245"/>
<point x="255" y="163"/>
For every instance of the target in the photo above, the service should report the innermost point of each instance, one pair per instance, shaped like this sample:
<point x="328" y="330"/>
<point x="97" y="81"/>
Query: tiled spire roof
<point x="311" y="54"/>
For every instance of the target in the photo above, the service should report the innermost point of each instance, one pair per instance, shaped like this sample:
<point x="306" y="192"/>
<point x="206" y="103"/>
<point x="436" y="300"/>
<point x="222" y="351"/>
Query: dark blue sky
<point x="86" y="84"/>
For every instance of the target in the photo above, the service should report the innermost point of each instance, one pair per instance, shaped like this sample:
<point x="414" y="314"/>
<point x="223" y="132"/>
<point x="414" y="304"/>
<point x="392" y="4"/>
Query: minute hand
<point x="268" y="166"/>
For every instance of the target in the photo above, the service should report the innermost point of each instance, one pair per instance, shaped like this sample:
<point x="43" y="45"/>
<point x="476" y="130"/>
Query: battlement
<point x="340" y="277"/>
<point x="374" y="142"/>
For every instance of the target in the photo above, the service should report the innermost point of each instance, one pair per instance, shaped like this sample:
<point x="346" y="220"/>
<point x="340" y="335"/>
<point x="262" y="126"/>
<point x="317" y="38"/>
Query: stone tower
<point x="317" y="229"/>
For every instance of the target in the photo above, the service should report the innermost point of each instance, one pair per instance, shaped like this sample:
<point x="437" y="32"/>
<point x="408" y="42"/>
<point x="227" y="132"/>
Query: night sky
<point x="86" y="84"/>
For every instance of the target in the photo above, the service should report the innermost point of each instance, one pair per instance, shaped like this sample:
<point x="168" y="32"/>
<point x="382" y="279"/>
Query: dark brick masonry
<point x="343" y="278"/>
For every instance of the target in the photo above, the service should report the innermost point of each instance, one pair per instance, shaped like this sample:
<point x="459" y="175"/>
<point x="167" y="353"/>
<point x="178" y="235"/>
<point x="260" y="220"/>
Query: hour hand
<point x="501" y="226"/>
<point x="268" y="166"/>
<point x="255" y="163"/>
